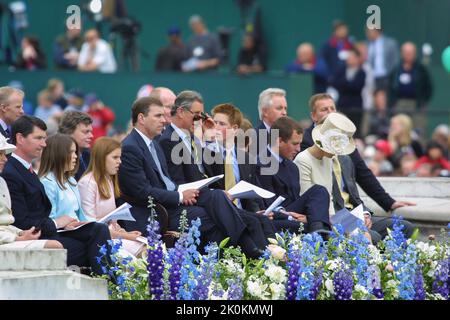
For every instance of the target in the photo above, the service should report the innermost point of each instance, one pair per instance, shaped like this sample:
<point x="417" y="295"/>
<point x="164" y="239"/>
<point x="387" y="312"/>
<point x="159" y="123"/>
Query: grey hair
<point x="6" y="92"/>
<point x="195" y="18"/>
<point x="265" y="98"/>
<point x="185" y="99"/>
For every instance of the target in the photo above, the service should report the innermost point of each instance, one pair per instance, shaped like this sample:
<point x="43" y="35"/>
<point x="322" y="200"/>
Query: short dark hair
<point x="71" y="119"/>
<point x="142" y="105"/>
<point x="286" y="127"/>
<point x="25" y="125"/>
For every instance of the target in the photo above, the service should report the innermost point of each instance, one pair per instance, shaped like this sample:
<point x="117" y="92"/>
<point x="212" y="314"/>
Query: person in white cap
<point x="10" y="236"/>
<point x="333" y="137"/>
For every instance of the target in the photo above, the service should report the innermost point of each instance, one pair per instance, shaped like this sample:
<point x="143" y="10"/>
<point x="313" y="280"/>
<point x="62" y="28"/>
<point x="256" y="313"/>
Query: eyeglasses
<point x="197" y="116"/>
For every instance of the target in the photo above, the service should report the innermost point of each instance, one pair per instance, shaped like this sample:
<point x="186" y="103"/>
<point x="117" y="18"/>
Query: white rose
<point x="276" y="274"/>
<point x="278" y="291"/>
<point x="256" y="288"/>
<point x="277" y="252"/>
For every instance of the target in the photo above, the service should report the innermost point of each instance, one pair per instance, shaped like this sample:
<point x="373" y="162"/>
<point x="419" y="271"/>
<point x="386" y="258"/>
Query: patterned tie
<point x="338" y="174"/>
<point x="169" y="184"/>
<point x="196" y="155"/>
<point x="230" y="178"/>
<point x="8" y="133"/>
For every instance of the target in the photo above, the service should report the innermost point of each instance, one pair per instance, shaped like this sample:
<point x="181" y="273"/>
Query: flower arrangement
<point x="293" y="267"/>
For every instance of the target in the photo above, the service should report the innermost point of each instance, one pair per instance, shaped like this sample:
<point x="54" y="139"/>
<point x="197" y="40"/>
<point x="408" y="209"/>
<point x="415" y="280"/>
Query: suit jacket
<point x="390" y="53"/>
<point x="283" y="183"/>
<point x="29" y="202"/>
<point x="363" y="175"/>
<point x="3" y="132"/>
<point x="85" y="157"/>
<point x="247" y="172"/>
<point x="256" y="142"/>
<point x="139" y="177"/>
<point x="59" y="198"/>
<point x="188" y="170"/>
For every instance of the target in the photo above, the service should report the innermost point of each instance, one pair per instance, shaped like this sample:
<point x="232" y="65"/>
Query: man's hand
<point x="74" y="224"/>
<point x="399" y="204"/>
<point x="190" y="197"/>
<point x="269" y="215"/>
<point x="28" y="235"/>
<point x="298" y="217"/>
<point x="63" y="221"/>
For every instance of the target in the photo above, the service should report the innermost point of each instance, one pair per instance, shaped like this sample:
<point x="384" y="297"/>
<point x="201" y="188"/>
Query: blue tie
<point x="169" y="184"/>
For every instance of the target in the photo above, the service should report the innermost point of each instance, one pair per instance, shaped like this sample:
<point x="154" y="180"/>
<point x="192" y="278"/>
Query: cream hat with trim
<point x="335" y="135"/>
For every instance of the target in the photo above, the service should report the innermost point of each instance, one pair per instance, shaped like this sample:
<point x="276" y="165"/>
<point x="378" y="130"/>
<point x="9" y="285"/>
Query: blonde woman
<point x="99" y="187"/>
<point x="402" y="139"/>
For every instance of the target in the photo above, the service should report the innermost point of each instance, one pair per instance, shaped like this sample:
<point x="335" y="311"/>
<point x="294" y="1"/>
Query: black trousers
<point x="314" y="203"/>
<point x="83" y="245"/>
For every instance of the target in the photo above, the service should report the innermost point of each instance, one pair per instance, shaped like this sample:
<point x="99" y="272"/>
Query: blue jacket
<point x="60" y="199"/>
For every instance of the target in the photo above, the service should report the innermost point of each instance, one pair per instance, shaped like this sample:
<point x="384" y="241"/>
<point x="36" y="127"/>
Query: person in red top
<point x="101" y="115"/>
<point x="434" y="156"/>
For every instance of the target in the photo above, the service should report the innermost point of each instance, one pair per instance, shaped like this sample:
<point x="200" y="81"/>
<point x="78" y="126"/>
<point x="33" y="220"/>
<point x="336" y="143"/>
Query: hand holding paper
<point x="199" y="184"/>
<point x="121" y="213"/>
<point x="274" y="204"/>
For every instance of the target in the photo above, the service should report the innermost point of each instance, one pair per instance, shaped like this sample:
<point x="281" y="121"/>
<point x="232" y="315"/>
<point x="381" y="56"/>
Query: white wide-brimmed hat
<point x="4" y="145"/>
<point x="335" y="135"/>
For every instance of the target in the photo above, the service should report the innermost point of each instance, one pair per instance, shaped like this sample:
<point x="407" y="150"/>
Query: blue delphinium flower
<point x="418" y="285"/>
<point x="440" y="283"/>
<point x="316" y="286"/>
<point x="404" y="259"/>
<point x="306" y="276"/>
<point x="189" y="271"/>
<point x="359" y="256"/>
<point x="175" y="259"/>
<point x="206" y="272"/>
<point x="374" y="282"/>
<point x="235" y="289"/>
<point x="343" y="284"/>
<point x="155" y="270"/>
<point x="293" y="267"/>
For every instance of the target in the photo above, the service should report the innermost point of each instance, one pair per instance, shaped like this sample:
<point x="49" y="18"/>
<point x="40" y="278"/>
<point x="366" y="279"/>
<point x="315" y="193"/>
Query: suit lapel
<point x="147" y="155"/>
<point x="28" y="177"/>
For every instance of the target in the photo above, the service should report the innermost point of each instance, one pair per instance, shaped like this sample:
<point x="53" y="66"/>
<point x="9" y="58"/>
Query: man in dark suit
<point x="278" y="174"/>
<point x="323" y="104"/>
<point x="78" y="125"/>
<point x="144" y="173"/>
<point x="178" y="136"/>
<point x="11" y="108"/>
<point x="346" y="195"/>
<point x="31" y="207"/>
<point x="272" y="105"/>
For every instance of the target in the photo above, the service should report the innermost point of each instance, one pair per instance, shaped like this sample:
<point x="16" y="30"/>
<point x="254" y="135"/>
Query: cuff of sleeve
<point x="181" y="196"/>
<point x="56" y="225"/>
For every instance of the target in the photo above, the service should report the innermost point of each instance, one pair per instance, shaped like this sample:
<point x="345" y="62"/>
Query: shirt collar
<point x="181" y="133"/>
<point x="25" y="163"/>
<point x="147" y="140"/>
<point x="266" y="125"/>
<point x="274" y="154"/>
<point x="3" y="124"/>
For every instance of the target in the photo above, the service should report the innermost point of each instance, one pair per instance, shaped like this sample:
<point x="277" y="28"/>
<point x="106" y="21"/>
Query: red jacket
<point x="101" y="119"/>
<point x="442" y="162"/>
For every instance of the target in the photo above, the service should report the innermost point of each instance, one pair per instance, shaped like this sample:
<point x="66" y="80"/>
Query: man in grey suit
<point x="383" y="56"/>
<point x="346" y="195"/>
